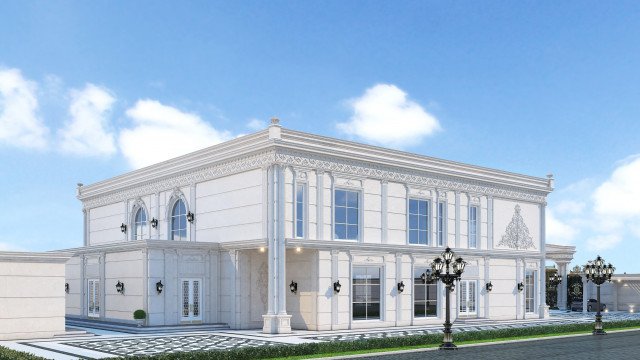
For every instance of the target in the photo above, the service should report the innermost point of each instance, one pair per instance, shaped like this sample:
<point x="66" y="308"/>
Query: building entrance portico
<point x="562" y="255"/>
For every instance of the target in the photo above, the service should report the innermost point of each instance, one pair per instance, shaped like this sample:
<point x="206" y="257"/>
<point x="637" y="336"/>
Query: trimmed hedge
<point x="281" y="351"/>
<point x="6" y="354"/>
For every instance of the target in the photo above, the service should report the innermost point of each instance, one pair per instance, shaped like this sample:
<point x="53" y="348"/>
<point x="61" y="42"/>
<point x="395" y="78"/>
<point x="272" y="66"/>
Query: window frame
<point x="473" y="226"/>
<point x="428" y="221"/>
<point x="434" y="284"/>
<point x="441" y="229"/>
<point x="380" y="285"/>
<point x="170" y="216"/>
<point x="358" y="192"/>
<point x="305" y="211"/>
<point x="530" y="289"/>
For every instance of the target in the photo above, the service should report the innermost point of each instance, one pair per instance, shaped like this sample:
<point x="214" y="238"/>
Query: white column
<point x="562" y="289"/>
<point x="585" y="288"/>
<point x="276" y="321"/>
<point x="334" y="297"/>
<point x="543" y="308"/>
<point x="487" y="295"/>
<point x="457" y="220"/>
<point x="320" y="205"/>
<point x="398" y="294"/>
<point x="383" y="211"/>
<point x="490" y="222"/>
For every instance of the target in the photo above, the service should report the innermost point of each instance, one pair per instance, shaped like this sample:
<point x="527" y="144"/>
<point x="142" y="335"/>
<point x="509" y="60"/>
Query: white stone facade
<point x="32" y="300"/>
<point x="265" y="214"/>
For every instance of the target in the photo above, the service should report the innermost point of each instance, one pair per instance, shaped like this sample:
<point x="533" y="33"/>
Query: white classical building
<point x="263" y="230"/>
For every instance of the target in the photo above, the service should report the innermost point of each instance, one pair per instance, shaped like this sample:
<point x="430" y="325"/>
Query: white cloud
<point x="385" y="115"/>
<point x="570" y="207"/>
<point x="10" y="247"/>
<point x="86" y="133"/>
<point x="558" y="232"/>
<point x="20" y="125"/>
<point x="619" y="196"/>
<point x="257" y="124"/>
<point x="163" y="132"/>
<point x="603" y="242"/>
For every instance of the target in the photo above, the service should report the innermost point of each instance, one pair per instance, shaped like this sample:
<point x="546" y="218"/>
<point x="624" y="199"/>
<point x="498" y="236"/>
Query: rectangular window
<point x="347" y="215"/>
<point x="473" y="226"/>
<point x="300" y="213"/>
<point x="529" y="291"/>
<point x="366" y="293"/>
<point x="418" y="221"/>
<point x="441" y="222"/>
<point x="425" y="294"/>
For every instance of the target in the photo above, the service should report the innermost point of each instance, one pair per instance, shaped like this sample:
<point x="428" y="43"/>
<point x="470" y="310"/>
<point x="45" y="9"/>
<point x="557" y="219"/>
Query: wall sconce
<point x="520" y="286"/>
<point x="293" y="287"/>
<point x="400" y="287"/>
<point x="159" y="287"/>
<point x="66" y="288"/>
<point x="154" y="223"/>
<point x="488" y="286"/>
<point x="123" y="228"/>
<point x="337" y="287"/>
<point x="190" y="217"/>
<point x="120" y="287"/>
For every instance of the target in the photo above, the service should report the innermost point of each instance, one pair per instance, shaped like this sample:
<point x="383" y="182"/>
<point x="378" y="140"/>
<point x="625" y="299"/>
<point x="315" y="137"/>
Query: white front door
<point x="191" y="304"/>
<point x="93" y="298"/>
<point x="467" y="298"/>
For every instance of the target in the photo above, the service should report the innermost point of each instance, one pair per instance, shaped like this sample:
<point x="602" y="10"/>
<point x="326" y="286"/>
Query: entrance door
<point x="93" y="298"/>
<point x="191" y="305"/>
<point x="467" y="298"/>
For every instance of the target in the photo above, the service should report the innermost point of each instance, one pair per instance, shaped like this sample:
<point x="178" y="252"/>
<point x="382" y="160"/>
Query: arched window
<point x="179" y="221"/>
<point x="140" y="227"/>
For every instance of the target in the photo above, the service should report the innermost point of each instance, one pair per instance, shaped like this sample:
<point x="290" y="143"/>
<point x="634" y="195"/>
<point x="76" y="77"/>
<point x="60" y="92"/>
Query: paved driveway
<point x="622" y="345"/>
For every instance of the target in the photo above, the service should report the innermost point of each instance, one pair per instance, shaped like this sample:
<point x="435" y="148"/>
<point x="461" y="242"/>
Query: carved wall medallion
<point x="517" y="233"/>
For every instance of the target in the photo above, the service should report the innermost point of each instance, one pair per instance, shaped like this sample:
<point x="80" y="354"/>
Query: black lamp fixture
<point x="190" y="217"/>
<point x="452" y="288"/>
<point x="120" y="287"/>
<point x="448" y="269"/>
<point x="427" y="276"/>
<point x="66" y="287"/>
<point x="555" y="280"/>
<point x="123" y="228"/>
<point x="337" y="287"/>
<point x="400" y="287"/>
<point x="520" y="286"/>
<point x="488" y="286"/>
<point x="293" y="287"/>
<point x="154" y="223"/>
<point x="598" y="272"/>
<point x="159" y="287"/>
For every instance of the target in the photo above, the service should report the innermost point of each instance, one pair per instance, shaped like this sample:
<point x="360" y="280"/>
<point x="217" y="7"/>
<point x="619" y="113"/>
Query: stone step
<point x="134" y="329"/>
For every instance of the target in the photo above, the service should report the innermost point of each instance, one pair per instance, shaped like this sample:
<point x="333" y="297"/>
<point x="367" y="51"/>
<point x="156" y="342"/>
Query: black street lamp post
<point x="554" y="281"/>
<point x="598" y="272"/>
<point x="453" y="270"/>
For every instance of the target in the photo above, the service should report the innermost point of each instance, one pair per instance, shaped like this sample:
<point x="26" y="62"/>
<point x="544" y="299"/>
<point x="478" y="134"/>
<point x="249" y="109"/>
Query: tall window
<point x="473" y="226"/>
<point x="441" y="231"/>
<point x="347" y="215"/>
<point x="425" y="294"/>
<point x="140" y="229"/>
<point x="366" y="293"/>
<point x="179" y="221"/>
<point x="300" y="196"/>
<point x="529" y="290"/>
<point x="418" y="221"/>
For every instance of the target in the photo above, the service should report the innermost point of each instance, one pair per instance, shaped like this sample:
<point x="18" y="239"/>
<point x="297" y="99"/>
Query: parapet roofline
<point x="303" y="142"/>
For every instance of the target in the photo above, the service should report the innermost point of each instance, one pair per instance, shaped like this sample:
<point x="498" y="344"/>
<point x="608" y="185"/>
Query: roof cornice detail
<point x="370" y="170"/>
<point x="237" y="165"/>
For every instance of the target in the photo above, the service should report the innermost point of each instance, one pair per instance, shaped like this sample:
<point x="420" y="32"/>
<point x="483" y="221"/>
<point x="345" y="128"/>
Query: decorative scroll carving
<point x="517" y="233"/>
<point x="262" y="283"/>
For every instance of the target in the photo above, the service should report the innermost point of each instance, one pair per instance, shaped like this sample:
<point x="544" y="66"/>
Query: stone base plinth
<point x="276" y="324"/>
<point x="544" y="311"/>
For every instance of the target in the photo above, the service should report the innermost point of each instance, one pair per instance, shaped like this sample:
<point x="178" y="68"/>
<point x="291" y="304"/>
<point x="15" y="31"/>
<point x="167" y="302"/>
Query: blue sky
<point x="89" y="90"/>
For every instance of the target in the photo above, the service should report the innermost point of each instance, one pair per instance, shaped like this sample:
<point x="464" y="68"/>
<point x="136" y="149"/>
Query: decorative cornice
<point x="184" y="179"/>
<point x="370" y="170"/>
<point x="322" y="164"/>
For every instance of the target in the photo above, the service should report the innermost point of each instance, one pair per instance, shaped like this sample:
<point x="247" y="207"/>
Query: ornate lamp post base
<point x="447" y="342"/>
<point x="598" y="326"/>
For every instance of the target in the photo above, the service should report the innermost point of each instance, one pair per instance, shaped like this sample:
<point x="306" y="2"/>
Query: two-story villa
<point x="283" y="229"/>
